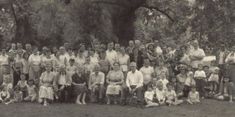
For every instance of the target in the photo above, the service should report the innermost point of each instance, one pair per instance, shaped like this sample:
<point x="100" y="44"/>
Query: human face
<point x="146" y="62"/>
<point x="123" y="51"/>
<point x="22" y="77"/>
<point x="116" y="67"/>
<point x="117" y="47"/>
<point x="48" y="68"/>
<point x="131" y="43"/>
<point x="110" y="46"/>
<point x="133" y="68"/>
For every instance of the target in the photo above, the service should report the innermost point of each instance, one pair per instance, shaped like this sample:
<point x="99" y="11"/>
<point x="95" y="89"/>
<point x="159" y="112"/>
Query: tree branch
<point x="159" y="10"/>
<point x="14" y="13"/>
<point x="111" y="3"/>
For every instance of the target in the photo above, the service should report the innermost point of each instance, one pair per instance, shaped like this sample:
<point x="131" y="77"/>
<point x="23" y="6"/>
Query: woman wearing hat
<point x="230" y="60"/>
<point x="47" y="85"/>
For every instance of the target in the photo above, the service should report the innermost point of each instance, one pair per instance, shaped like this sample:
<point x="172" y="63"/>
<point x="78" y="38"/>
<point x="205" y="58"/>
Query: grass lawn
<point x="208" y="108"/>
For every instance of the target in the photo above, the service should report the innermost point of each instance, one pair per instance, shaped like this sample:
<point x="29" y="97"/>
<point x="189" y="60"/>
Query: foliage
<point x="174" y="22"/>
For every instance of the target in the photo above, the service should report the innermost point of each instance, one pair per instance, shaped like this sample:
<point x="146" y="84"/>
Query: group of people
<point x="150" y="74"/>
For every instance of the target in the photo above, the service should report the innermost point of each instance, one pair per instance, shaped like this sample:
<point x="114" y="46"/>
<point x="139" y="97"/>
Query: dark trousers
<point x="65" y="94"/>
<point x="200" y="84"/>
<point x="16" y="77"/>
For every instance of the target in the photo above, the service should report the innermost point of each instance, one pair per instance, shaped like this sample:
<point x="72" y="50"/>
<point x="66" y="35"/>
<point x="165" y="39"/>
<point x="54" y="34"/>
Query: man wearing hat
<point x="134" y="81"/>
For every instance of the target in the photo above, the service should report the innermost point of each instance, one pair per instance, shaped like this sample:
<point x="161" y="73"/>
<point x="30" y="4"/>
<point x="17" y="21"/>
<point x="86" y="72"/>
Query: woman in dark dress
<point x="79" y="83"/>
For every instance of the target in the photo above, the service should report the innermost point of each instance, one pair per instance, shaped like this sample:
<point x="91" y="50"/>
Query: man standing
<point x="134" y="81"/>
<point x="196" y="54"/>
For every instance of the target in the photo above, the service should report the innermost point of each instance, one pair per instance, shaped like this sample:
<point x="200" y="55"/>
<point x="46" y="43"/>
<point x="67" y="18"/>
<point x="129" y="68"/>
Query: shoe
<point x="79" y="103"/>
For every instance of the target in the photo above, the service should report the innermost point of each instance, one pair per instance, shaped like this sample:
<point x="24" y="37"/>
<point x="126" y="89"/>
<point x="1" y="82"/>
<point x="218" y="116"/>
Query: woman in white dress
<point x="47" y="85"/>
<point x="4" y="64"/>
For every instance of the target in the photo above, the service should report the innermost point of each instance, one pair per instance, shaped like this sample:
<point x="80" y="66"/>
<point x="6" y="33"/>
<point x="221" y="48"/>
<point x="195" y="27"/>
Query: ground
<point x="208" y="108"/>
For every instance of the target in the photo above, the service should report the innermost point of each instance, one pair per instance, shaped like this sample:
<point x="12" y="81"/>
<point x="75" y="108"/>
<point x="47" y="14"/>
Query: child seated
<point x="148" y="96"/>
<point x="4" y="95"/>
<point x="171" y="97"/>
<point x="160" y="94"/>
<point x="31" y="91"/>
<point x="164" y="82"/>
<point x="193" y="97"/>
<point x="189" y="82"/>
<point x="22" y="83"/>
<point x="18" y="96"/>
<point x="7" y="83"/>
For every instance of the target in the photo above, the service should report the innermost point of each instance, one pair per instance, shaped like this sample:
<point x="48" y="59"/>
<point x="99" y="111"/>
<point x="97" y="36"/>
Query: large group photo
<point x="108" y="64"/>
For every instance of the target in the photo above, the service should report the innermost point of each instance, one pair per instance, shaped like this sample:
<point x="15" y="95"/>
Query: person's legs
<point x="101" y="92"/>
<point x="84" y="98"/>
<point x="140" y="95"/>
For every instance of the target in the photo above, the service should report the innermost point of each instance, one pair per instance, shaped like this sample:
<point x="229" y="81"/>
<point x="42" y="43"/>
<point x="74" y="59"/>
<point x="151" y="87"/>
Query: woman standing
<point x="115" y="79"/>
<point x="34" y="65"/>
<point x="124" y="60"/>
<point x="47" y="84"/>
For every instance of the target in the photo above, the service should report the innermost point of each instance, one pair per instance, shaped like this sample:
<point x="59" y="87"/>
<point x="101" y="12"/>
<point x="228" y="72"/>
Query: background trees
<point x="53" y="22"/>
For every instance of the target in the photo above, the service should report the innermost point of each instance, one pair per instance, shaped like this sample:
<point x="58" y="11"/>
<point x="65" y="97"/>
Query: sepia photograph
<point x="117" y="58"/>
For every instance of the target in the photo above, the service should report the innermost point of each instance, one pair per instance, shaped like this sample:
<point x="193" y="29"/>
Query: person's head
<point x="146" y="62"/>
<point x="82" y="47"/>
<point x="123" y="50"/>
<point x="102" y="55"/>
<point x="19" y="46"/>
<point x="22" y="77"/>
<point x="48" y="67"/>
<point x="170" y="87"/>
<point x="150" y="47"/>
<point x="71" y="62"/>
<point x="110" y="46"/>
<point x="91" y="52"/>
<point x="35" y="50"/>
<point x="54" y="49"/>
<point x="200" y="67"/>
<point x="97" y="69"/>
<point x="137" y="43"/>
<point x="88" y="59"/>
<point x="62" y="50"/>
<point x="7" y="78"/>
<point x="30" y="82"/>
<point x="131" y="43"/>
<point x="233" y="49"/>
<point x="13" y="46"/>
<point x="183" y="49"/>
<point x="117" y="46"/>
<point x="149" y="88"/>
<point x="44" y="50"/>
<point x="182" y="69"/>
<point x="28" y="47"/>
<point x="216" y="71"/>
<point x="193" y="88"/>
<point x="205" y="68"/>
<point x="20" y="53"/>
<point x="190" y="74"/>
<point x="116" y="66"/>
<point x="195" y="44"/>
<point x="133" y="66"/>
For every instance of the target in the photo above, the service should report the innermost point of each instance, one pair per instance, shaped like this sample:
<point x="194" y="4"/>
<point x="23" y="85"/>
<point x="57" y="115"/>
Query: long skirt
<point x="79" y="89"/>
<point x="46" y="93"/>
<point x="113" y="90"/>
